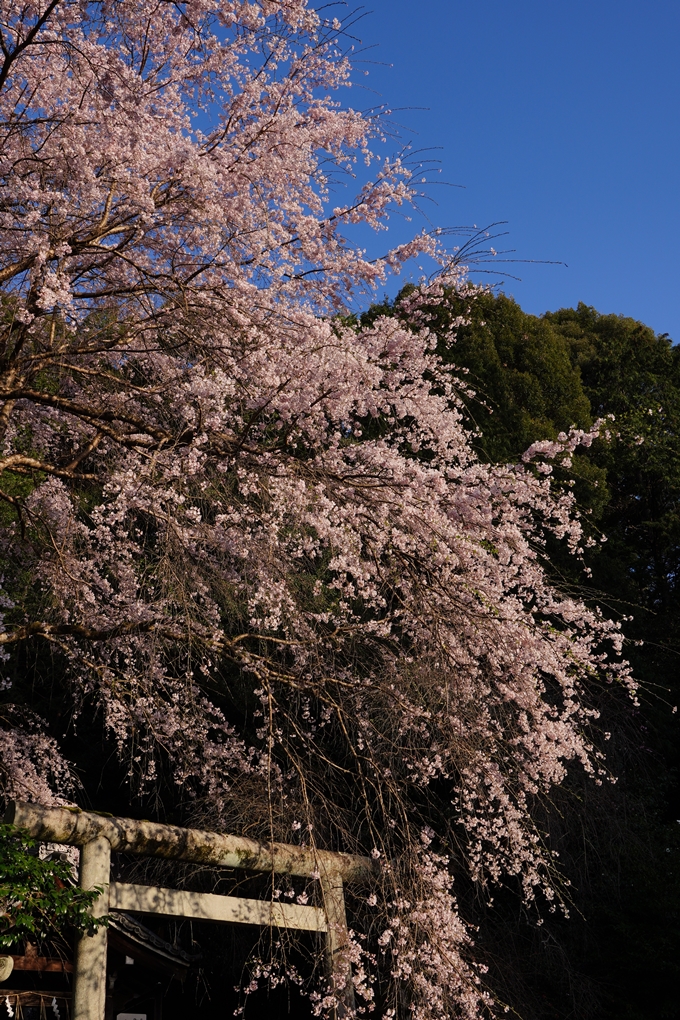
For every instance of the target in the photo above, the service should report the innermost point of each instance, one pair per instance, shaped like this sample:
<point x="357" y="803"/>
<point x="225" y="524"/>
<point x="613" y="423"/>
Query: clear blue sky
<point x="560" y="116"/>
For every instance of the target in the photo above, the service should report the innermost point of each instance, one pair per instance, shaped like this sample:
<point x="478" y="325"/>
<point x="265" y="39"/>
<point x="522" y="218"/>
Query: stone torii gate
<point x="98" y="834"/>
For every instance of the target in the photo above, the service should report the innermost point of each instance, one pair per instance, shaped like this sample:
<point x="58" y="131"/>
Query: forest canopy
<point x="618" y="954"/>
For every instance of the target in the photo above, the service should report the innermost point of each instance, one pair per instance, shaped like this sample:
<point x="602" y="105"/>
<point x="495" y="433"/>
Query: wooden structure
<point x="140" y="964"/>
<point x="23" y="1002"/>
<point x="98" y="835"/>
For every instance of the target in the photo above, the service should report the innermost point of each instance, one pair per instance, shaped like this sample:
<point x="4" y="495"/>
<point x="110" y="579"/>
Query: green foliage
<point x="620" y="845"/>
<point x="38" y="900"/>
<point x="526" y="387"/>
<point x="536" y="377"/>
<point x="628" y="371"/>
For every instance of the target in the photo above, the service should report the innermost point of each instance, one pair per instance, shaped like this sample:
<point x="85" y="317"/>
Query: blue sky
<point x="562" y="118"/>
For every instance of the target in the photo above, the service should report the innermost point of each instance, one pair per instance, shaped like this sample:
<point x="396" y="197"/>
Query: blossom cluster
<point x="254" y="533"/>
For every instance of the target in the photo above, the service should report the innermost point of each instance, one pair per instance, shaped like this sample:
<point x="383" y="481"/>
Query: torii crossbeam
<point x="98" y="835"/>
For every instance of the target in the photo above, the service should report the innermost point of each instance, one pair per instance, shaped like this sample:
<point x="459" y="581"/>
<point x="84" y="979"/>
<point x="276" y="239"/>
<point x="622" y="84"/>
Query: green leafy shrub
<point x="38" y="900"/>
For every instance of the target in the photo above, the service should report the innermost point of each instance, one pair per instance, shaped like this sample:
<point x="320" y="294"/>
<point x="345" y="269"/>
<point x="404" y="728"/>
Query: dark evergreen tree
<point x="533" y="377"/>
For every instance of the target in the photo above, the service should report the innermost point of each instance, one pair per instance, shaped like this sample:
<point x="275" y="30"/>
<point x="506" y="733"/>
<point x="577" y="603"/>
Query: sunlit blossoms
<point x="254" y="534"/>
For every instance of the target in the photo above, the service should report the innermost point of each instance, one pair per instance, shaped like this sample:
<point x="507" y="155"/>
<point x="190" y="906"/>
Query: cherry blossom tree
<point x="254" y="534"/>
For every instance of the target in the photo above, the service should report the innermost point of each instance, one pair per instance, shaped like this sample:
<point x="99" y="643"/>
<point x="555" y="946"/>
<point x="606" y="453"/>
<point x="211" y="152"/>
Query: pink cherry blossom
<point x="259" y="542"/>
